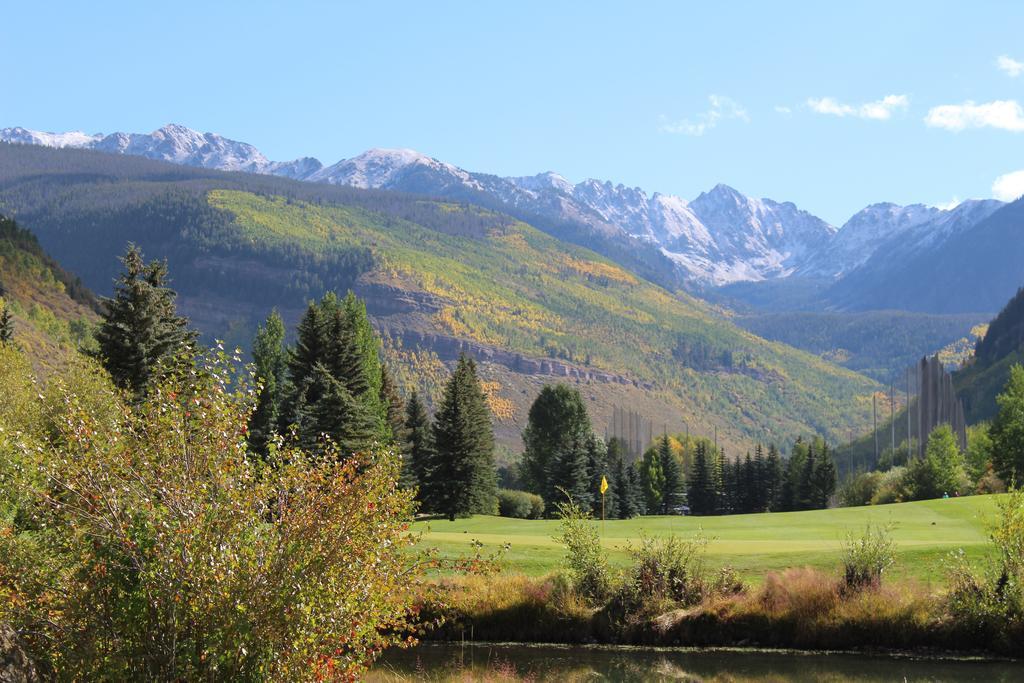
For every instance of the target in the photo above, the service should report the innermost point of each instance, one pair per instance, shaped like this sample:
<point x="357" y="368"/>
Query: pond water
<point x="515" y="662"/>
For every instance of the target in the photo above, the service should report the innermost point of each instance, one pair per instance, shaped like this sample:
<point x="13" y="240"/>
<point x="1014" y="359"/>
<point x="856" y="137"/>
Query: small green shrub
<point x="891" y="487"/>
<point x="586" y="562"/>
<point x="989" y="607"/>
<point x="667" y="574"/>
<point x="866" y="557"/>
<point x="860" y="489"/>
<point x="520" y="504"/>
<point x="670" y="568"/>
<point x="536" y="507"/>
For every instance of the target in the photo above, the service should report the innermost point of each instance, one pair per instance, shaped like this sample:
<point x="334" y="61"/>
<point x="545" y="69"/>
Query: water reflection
<point x="499" y="663"/>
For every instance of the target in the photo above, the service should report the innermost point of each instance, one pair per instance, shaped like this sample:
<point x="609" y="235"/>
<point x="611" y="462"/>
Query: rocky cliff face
<point x="15" y="665"/>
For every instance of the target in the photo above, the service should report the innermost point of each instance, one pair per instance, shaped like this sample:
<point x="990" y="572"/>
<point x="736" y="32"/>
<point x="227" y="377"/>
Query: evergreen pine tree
<point x="555" y="447"/>
<point x="628" y="496"/>
<point x="141" y="329"/>
<point x="344" y="357"/>
<point x="598" y="467"/>
<point x="310" y="349"/>
<point x="718" y="463"/>
<point x="271" y="361"/>
<point x="824" y="478"/>
<point x="734" y="486"/>
<point x="419" y="451"/>
<point x="701" y="494"/>
<point x="773" y="477"/>
<point x="394" y="408"/>
<point x="337" y="414"/>
<point x="368" y="352"/>
<point x="336" y="335"/>
<point x="761" y="491"/>
<point x="636" y="489"/>
<point x="463" y="479"/>
<point x="805" y="492"/>
<point x="750" y="485"/>
<point x="6" y="325"/>
<point x="673" y="488"/>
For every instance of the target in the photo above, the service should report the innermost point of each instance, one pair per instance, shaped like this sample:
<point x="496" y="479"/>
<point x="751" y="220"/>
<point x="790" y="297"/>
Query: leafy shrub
<point x="586" y="562"/>
<point x="671" y="568"/>
<point x="990" y="606"/>
<point x="520" y="504"/>
<point x="866" y="557"/>
<point x="891" y="487"/>
<point x="667" y="574"/>
<point x="989" y="482"/>
<point x="860" y="489"/>
<point x="144" y="543"/>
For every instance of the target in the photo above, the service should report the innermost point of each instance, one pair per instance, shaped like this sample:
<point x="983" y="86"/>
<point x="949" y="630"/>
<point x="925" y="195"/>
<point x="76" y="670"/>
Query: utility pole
<point x="874" y="421"/>
<point x="908" y="413"/>
<point x="892" y="416"/>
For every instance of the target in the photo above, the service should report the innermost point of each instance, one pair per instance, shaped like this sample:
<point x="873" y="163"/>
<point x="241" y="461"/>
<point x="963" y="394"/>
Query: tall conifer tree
<point x="271" y="361"/>
<point x="394" y="408"/>
<point x="773" y="479"/>
<point x="141" y="329"/>
<point x="419" y="452"/>
<point x="628" y="496"/>
<point x="336" y="414"/>
<point x="673" y="489"/>
<point x="555" y="439"/>
<point x="463" y="477"/>
<point x="702" y="495"/>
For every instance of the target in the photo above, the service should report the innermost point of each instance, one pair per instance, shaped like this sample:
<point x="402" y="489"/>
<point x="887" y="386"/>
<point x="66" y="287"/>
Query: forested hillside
<point x="438" y="278"/>
<point x="1003" y="345"/>
<point x="879" y="344"/>
<point x="50" y="309"/>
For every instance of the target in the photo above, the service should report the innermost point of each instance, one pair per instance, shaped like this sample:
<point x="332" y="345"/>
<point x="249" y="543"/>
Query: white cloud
<point x="722" y="108"/>
<point x="950" y="205"/>
<point x="1009" y="186"/>
<point x="786" y="111"/>
<point x="879" y="110"/>
<point x="1011" y="67"/>
<point x="1002" y="114"/>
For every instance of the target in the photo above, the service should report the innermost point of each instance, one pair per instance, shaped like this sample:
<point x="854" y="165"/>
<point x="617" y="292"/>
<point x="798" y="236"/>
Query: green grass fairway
<point x="925" y="532"/>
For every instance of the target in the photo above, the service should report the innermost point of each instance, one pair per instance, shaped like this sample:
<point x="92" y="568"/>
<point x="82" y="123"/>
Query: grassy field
<point x="925" y="533"/>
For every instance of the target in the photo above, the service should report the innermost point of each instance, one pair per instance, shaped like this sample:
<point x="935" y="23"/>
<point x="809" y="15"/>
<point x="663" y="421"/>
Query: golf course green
<point x="925" y="533"/>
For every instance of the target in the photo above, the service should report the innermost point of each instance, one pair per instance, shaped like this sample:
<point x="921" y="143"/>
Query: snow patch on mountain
<point x="721" y="237"/>
<point x="25" y="136"/>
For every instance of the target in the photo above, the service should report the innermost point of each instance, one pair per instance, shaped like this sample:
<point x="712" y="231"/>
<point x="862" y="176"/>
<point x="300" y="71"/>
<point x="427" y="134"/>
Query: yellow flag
<point x="604" y="485"/>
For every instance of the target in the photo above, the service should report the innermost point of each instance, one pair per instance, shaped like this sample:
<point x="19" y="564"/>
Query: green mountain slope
<point x="439" y="278"/>
<point x="983" y="378"/>
<point x="53" y="311"/>
<point x="879" y="344"/>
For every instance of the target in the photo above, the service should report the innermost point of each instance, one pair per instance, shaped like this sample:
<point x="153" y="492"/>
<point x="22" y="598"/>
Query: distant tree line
<point x="564" y="457"/>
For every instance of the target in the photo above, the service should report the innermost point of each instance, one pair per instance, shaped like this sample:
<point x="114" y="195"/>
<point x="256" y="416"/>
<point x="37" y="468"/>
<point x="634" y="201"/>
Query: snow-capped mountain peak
<point x="543" y="181"/>
<point x="25" y="136"/>
<point x="720" y="237"/>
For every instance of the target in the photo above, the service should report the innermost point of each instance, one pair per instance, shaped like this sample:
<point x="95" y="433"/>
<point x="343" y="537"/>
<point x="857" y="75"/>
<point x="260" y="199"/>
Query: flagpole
<point x="602" y="488"/>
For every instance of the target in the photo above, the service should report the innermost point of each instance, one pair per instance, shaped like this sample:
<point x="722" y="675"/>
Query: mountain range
<point x="439" y="278"/>
<point x="722" y="238"/>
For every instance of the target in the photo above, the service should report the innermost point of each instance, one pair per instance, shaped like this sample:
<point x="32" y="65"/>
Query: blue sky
<point x="829" y="107"/>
